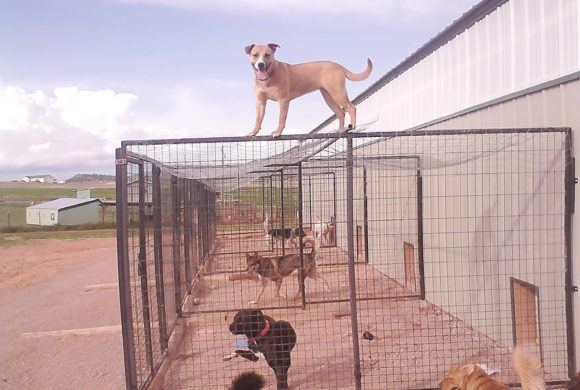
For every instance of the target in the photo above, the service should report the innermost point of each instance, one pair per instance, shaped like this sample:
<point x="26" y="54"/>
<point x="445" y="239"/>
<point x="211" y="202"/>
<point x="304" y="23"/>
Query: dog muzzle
<point x="262" y="74"/>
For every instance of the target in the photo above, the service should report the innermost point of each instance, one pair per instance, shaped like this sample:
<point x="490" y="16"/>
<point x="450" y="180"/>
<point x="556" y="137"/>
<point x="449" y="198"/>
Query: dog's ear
<point x="273" y="47"/>
<point x="249" y="48"/>
<point x="467" y="369"/>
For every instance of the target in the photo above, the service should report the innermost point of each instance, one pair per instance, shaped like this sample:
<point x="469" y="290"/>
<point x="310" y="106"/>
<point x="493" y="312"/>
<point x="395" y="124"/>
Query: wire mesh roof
<point x="224" y="164"/>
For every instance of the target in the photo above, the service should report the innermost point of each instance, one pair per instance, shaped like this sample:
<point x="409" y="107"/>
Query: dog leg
<point x="282" y="376"/>
<point x="340" y="97"/>
<point x="326" y="285"/>
<point x="335" y="108"/>
<point x="274" y="261"/>
<point x="260" y="111"/>
<point x="247" y="355"/>
<point x="264" y="284"/>
<point x="284" y="105"/>
<point x="278" y="286"/>
<point x="299" y="291"/>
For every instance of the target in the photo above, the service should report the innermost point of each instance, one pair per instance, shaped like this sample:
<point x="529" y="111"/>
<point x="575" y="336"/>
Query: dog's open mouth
<point x="263" y="73"/>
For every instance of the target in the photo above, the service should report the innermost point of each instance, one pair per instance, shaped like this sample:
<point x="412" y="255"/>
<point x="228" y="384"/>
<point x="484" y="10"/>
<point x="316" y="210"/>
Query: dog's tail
<point x="249" y="380"/>
<point x="360" y="76"/>
<point x="528" y="369"/>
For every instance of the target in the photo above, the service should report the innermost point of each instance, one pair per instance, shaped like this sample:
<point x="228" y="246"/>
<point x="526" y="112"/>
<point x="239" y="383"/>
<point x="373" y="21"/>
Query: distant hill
<point x="81" y="177"/>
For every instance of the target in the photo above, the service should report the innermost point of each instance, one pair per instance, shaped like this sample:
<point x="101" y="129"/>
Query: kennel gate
<point x="449" y="220"/>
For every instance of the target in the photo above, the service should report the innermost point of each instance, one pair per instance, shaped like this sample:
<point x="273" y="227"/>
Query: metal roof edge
<point x="465" y="21"/>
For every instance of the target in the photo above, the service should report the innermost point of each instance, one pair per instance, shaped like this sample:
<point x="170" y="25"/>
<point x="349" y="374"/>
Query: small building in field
<point x="64" y="211"/>
<point x="39" y="179"/>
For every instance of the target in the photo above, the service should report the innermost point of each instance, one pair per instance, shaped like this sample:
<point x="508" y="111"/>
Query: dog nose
<point x="232" y="327"/>
<point x="261" y="65"/>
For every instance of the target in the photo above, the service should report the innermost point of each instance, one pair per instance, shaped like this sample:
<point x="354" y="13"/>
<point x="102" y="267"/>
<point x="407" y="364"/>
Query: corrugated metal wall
<point x="521" y="44"/>
<point x="491" y="76"/>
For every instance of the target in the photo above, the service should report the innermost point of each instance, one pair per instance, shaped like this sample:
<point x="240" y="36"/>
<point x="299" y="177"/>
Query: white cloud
<point x="370" y="8"/>
<point x="72" y="130"/>
<point x="39" y="147"/>
<point x="64" y="127"/>
<point x="105" y="114"/>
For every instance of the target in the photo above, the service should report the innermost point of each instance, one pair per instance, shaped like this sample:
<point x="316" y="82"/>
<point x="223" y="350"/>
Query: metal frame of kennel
<point x="163" y="214"/>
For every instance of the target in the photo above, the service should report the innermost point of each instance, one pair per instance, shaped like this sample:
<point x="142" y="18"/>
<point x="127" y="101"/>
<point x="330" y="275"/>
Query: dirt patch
<point x="26" y="265"/>
<point x="414" y="342"/>
<point x="53" y="333"/>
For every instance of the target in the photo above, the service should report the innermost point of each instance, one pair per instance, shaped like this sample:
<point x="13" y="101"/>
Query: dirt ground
<point x="56" y="331"/>
<point x="415" y="341"/>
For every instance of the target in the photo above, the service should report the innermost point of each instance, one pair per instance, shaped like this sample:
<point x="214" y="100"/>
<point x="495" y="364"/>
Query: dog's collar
<point x="264" y="332"/>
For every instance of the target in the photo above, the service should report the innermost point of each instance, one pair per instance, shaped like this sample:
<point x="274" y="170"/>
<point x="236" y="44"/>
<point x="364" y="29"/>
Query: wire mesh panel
<point x="362" y="260"/>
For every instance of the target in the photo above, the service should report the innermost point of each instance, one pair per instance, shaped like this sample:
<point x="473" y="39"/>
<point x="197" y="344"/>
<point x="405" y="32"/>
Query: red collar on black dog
<point x="262" y="333"/>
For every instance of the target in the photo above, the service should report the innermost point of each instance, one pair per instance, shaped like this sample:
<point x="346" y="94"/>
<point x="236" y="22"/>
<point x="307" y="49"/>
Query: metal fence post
<point x="123" y="268"/>
<point x="351" y="261"/>
<point x="300" y="221"/>
<point x="366" y="215"/>
<point x="175" y="245"/>
<point x="142" y="268"/>
<point x="187" y="233"/>
<point x="158" y="256"/>
<point x="569" y="186"/>
<point x="420" y="231"/>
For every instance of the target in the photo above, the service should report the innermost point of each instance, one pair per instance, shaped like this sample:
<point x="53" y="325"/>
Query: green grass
<point x="8" y="239"/>
<point x="37" y="194"/>
<point x="15" y="214"/>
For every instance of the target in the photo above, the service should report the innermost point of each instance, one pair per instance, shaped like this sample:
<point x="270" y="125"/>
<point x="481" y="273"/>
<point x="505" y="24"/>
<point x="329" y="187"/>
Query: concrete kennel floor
<point x="416" y="342"/>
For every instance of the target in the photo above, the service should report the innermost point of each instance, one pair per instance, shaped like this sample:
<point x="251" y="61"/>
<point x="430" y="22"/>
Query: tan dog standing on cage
<point x="283" y="82"/>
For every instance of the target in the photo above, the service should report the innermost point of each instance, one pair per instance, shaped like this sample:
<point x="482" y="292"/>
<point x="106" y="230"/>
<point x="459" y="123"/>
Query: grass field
<point x="37" y="194"/>
<point x="12" y="215"/>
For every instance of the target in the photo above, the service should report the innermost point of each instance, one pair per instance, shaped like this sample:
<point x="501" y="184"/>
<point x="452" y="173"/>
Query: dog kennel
<point x="440" y="247"/>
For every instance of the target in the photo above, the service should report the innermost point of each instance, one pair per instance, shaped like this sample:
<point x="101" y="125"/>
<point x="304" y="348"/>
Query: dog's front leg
<point x="247" y="355"/>
<point x="264" y="284"/>
<point x="284" y="105"/>
<point x="282" y="376"/>
<point x="260" y="111"/>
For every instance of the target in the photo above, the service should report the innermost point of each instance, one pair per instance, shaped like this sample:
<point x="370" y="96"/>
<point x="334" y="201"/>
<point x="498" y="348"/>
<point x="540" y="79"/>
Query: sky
<point x="79" y="76"/>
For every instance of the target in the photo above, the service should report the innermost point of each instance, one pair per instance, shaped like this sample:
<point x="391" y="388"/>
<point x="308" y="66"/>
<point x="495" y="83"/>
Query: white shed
<point x="64" y="211"/>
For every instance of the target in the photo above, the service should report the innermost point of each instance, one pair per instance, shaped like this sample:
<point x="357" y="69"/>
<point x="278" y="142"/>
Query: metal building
<point x="64" y="211"/>
<point x="503" y="64"/>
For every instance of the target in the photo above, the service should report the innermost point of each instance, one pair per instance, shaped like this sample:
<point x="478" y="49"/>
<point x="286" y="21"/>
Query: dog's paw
<point x="230" y="356"/>
<point x="253" y="302"/>
<point x="276" y="133"/>
<point x="253" y="133"/>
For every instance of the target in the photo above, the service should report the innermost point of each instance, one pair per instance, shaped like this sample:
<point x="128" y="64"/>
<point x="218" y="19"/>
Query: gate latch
<point x="120" y="161"/>
<point x="574" y="289"/>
